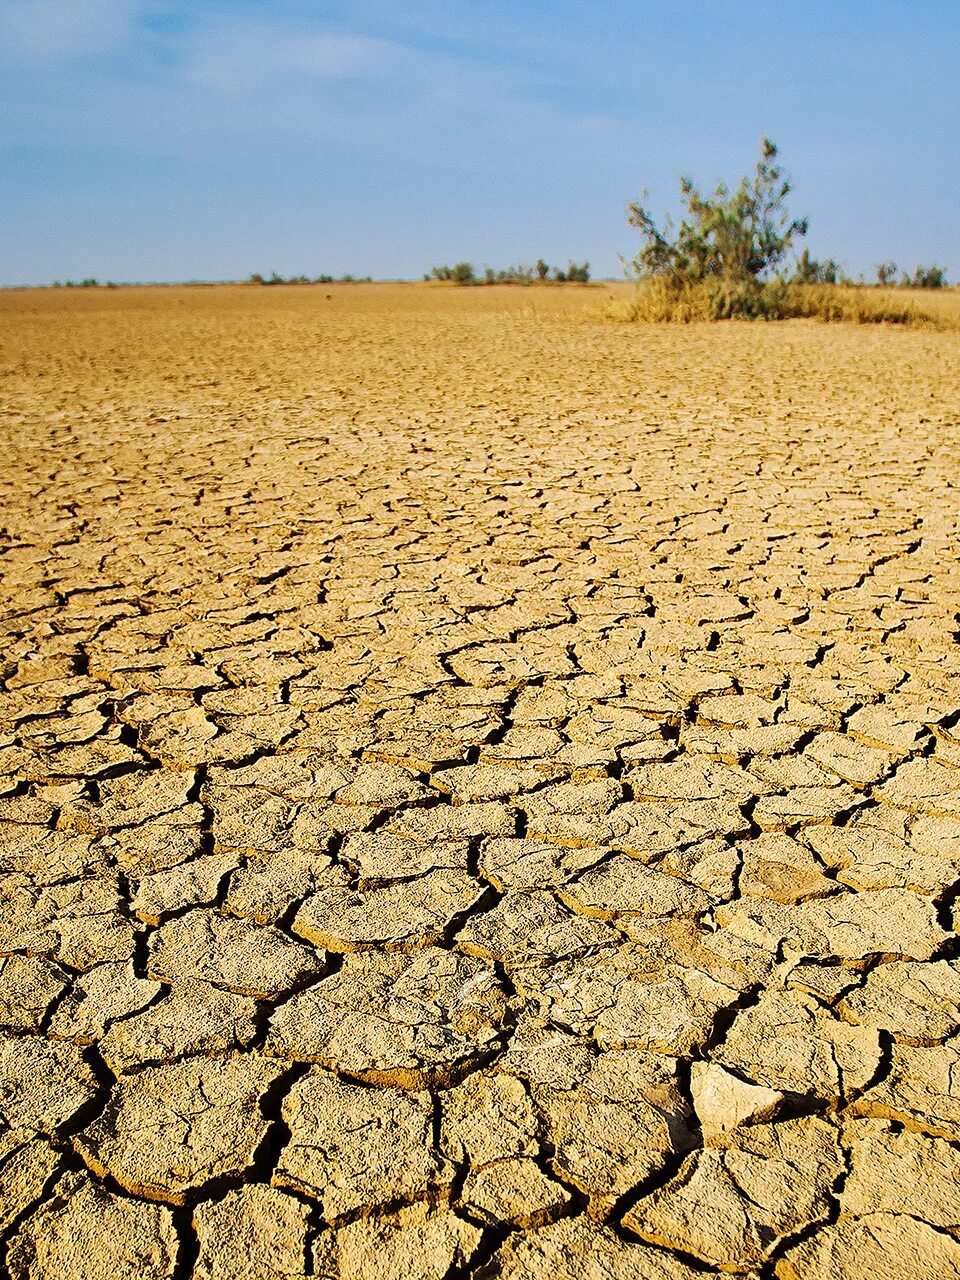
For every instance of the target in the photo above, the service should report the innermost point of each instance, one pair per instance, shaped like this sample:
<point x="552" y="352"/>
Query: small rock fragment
<point x="724" y="1102"/>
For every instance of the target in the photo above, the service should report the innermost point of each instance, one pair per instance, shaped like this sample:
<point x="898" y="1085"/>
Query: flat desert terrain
<point x="479" y="790"/>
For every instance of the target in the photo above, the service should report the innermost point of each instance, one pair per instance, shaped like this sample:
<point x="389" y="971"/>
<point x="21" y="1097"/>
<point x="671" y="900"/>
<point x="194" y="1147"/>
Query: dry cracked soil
<point x="479" y="791"/>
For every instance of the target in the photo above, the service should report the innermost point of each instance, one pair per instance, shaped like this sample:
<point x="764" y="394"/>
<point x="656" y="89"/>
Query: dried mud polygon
<point x="479" y="791"/>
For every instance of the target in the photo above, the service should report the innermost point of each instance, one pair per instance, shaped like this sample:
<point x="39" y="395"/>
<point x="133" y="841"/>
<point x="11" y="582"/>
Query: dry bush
<point x="659" y="300"/>
<point x="832" y="303"/>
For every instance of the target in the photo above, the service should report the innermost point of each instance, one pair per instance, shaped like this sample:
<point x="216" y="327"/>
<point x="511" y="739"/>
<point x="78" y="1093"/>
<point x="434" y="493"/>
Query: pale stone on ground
<point x="723" y="1102"/>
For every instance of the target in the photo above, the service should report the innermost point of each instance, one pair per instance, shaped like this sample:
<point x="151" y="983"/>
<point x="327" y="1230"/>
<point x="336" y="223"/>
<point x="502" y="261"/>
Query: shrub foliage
<point x="727" y="245"/>
<point x="727" y="258"/>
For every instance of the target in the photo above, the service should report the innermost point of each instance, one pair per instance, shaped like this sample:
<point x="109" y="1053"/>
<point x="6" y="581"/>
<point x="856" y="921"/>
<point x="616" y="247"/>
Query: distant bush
<point x="273" y="278"/>
<point x="931" y="277"/>
<point x="459" y="273"/>
<point x="726" y="260"/>
<point x="809" y="271"/>
<point x="464" y="273"/>
<point x="886" y="273"/>
<point x="576" y="273"/>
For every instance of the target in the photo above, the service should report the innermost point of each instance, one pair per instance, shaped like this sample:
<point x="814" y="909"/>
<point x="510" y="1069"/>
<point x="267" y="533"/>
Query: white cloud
<point x="63" y="28"/>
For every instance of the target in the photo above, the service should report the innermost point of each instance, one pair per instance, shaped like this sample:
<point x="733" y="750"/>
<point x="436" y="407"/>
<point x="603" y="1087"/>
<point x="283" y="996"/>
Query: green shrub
<point x="733" y="240"/>
<point x="931" y="277"/>
<point x="576" y="273"/>
<point x="809" y="271"/>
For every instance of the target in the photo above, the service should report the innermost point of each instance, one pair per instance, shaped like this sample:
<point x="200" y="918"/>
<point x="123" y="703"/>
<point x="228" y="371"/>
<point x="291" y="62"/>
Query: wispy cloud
<point x="238" y="56"/>
<point x="63" y="28"/>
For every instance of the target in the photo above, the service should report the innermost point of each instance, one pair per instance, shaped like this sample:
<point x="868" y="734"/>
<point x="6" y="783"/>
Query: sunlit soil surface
<point x="480" y="790"/>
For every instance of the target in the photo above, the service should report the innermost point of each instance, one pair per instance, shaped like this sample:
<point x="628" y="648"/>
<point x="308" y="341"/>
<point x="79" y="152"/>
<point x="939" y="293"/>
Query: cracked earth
<point x="479" y="792"/>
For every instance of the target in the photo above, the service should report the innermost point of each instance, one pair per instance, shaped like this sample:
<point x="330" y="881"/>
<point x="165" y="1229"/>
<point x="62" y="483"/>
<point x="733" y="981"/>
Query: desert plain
<point x="479" y="790"/>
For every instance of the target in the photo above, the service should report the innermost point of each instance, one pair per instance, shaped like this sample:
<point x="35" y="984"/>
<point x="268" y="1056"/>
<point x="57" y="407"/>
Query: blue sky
<point x="154" y="139"/>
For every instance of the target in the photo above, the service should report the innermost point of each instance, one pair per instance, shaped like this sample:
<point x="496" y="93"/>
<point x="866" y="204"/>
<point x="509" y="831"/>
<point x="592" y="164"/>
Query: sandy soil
<point x="479" y="791"/>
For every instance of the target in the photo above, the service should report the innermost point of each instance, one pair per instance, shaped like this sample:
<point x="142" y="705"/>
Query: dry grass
<point x="658" y="301"/>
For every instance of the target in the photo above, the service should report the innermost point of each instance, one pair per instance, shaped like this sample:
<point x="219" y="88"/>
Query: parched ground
<point x="479" y="792"/>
